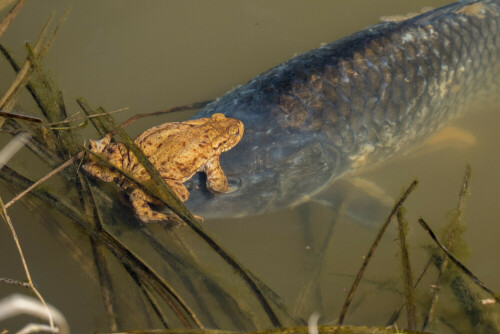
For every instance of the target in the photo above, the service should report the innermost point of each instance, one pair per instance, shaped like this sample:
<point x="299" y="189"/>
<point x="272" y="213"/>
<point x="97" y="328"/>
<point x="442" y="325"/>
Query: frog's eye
<point x="218" y="117"/>
<point x="233" y="130"/>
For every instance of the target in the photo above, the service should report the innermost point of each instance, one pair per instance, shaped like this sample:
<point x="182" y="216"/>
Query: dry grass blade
<point x="6" y="218"/>
<point x="368" y="257"/>
<point x="408" y="277"/>
<point x="11" y="16"/>
<point x="8" y="99"/>
<point x="453" y="259"/>
<point x="22" y="117"/>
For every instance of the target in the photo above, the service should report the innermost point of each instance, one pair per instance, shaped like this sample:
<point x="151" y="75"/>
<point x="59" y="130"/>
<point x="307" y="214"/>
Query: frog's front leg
<point x="115" y="153"/>
<point x="140" y="200"/>
<point x="216" y="179"/>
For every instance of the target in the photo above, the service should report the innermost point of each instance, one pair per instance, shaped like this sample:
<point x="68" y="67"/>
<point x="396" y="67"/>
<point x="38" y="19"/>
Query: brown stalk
<point x="407" y="274"/>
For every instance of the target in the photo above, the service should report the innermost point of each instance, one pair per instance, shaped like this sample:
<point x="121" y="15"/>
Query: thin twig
<point x="195" y="105"/>
<point x="453" y="259"/>
<point x="73" y="118"/>
<point x="10" y="16"/>
<point x="15" y="282"/>
<point x="407" y="273"/>
<point x="6" y="218"/>
<point x="368" y="256"/>
<point x="45" y="178"/>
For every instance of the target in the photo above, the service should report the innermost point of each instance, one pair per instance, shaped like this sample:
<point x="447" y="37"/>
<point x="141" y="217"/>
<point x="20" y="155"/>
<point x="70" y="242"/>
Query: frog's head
<point x="229" y="132"/>
<point x="98" y="146"/>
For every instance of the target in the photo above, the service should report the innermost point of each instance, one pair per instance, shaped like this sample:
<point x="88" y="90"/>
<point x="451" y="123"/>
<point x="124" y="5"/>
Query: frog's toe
<point x="218" y="186"/>
<point x="152" y="217"/>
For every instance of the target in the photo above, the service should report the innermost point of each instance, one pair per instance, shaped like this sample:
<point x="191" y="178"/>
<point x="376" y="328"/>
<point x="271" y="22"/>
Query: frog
<point x="177" y="150"/>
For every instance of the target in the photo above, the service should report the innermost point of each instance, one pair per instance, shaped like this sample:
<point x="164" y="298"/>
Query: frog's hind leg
<point x="179" y="189"/>
<point x="140" y="200"/>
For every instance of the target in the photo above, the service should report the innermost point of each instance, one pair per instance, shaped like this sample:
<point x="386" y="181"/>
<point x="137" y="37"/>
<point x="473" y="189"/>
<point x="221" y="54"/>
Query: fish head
<point x="267" y="171"/>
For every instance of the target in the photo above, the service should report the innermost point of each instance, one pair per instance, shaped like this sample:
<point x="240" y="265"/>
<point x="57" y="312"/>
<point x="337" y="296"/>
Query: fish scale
<point x="351" y="104"/>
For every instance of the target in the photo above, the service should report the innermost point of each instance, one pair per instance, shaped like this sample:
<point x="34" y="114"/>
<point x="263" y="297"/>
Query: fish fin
<point x="449" y="137"/>
<point x="398" y="18"/>
<point x="359" y="199"/>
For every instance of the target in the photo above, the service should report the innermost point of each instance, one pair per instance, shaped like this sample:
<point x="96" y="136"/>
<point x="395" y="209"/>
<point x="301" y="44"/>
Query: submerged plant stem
<point x="407" y="273"/>
<point x="368" y="256"/>
<point x="453" y="259"/>
<point x="449" y="238"/>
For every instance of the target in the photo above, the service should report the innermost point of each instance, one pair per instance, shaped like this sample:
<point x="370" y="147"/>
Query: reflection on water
<point x="149" y="56"/>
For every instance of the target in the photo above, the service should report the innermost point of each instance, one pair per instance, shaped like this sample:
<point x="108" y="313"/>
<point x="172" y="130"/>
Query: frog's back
<point x="353" y="102"/>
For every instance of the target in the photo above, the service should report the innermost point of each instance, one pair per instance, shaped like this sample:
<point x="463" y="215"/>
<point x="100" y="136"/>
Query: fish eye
<point x="189" y="185"/>
<point x="234" y="183"/>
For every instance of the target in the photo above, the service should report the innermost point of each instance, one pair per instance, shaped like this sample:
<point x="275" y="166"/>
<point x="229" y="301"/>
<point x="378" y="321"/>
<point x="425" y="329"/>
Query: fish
<point x="351" y="104"/>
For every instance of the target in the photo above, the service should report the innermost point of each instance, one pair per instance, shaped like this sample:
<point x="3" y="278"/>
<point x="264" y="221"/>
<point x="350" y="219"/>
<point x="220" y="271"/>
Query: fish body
<point x="351" y="104"/>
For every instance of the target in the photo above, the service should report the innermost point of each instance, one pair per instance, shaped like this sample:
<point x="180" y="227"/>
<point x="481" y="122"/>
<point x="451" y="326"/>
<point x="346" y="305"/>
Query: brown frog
<point x="177" y="150"/>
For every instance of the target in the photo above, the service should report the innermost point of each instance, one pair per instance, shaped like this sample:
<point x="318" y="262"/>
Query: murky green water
<point x="153" y="55"/>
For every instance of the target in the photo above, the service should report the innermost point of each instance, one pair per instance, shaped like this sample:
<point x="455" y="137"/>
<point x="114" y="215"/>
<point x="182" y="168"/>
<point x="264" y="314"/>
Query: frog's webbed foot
<point x="216" y="179"/>
<point x="140" y="200"/>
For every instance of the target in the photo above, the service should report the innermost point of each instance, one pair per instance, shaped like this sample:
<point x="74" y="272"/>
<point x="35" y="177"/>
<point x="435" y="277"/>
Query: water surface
<point x="149" y="56"/>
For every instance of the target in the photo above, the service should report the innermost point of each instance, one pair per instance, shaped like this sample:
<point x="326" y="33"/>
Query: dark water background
<point x="152" y="55"/>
